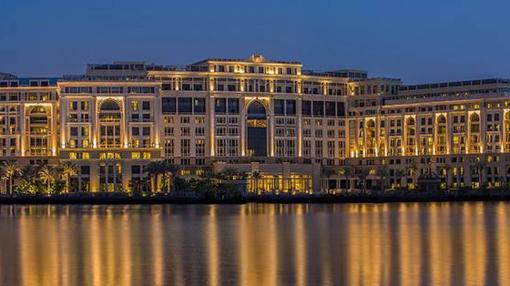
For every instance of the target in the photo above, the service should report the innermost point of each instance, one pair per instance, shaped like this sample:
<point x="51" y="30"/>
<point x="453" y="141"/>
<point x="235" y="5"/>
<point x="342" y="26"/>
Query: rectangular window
<point x="290" y="107"/>
<point x="185" y="105"/>
<point x="340" y="109"/>
<point x="199" y="105"/>
<point x="318" y="108"/>
<point x="220" y="105"/>
<point x="306" y="108"/>
<point x="330" y="108"/>
<point x="279" y="106"/>
<point x="168" y="105"/>
<point x="233" y="106"/>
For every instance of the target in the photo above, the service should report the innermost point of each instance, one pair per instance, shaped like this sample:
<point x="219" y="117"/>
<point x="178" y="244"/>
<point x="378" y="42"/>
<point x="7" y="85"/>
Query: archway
<point x="38" y="130"/>
<point x="110" y="172"/>
<point x="257" y="130"/>
<point x="109" y="124"/>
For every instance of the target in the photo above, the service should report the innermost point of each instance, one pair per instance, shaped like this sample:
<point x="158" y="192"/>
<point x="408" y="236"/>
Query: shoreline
<point x="179" y="198"/>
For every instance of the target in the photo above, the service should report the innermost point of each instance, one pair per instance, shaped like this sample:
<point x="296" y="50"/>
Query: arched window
<point x="109" y="111"/>
<point x="256" y="110"/>
<point x="38" y="129"/>
<point x="109" y="105"/>
<point x="257" y="129"/>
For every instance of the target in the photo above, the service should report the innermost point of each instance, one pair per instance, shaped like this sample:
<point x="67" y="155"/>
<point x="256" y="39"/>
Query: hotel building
<point x="290" y="129"/>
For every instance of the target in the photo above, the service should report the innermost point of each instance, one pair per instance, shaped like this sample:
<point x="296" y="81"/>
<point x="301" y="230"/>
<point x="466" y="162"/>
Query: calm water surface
<point x="256" y="244"/>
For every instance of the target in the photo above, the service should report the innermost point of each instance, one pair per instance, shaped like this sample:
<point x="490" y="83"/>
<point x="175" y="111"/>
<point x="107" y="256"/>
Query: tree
<point x="30" y="172"/>
<point x="169" y="171"/>
<point x="153" y="170"/>
<point x="10" y="170"/>
<point x="412" y="170"/>
<point x="382" y="172"/>
<point x="363" y="173"/>
<point x="256" y="176"/>
<point x="480" y="166"/>
<point x="68" y="170"/>
<point x="229" y="174"/>
<point x="136" y="185"/>
<point x="446" y="173"/>
<point x="48" y="175"/>
<point x="347" y="172"/>
<point x="401" y="173"/>
<point x="157" y="169"/>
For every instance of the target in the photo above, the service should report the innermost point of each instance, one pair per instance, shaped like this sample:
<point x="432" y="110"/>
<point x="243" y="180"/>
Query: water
<point x="256" y="244"/>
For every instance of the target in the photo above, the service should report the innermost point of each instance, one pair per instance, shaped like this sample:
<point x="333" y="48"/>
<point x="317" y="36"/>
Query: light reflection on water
<point x="256" y="244"/>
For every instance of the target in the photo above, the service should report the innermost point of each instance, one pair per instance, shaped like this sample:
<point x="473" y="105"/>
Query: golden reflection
<point x="244" y="249"/>
<point x="440" y="262"/>
<point x="410" y="240"/>
<point x="354" y="246"/>
<point x="475" y="246"/>
<point x="300" y="260"/>
<point x="213" y="247"/>
<point x="503" y="224"/>
<point x="157" y="247"/>
<point x="256" y="244"/>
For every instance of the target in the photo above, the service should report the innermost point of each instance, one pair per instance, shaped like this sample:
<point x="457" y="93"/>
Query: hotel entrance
<point x="257" y="130"/>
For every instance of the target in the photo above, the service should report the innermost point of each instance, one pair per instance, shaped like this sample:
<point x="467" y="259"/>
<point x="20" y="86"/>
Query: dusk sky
<point x="417" y="41"/>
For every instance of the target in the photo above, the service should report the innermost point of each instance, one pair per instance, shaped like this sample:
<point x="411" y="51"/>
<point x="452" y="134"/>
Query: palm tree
<point x="30" y="172"/>
<point x="48" y="175"/>
<point x="10" y="170"/>
<point x="363" y="173"/>
<point x="68" y="170"/>
<point x="479" y="166"/>
<point x="401" y="173"/>
<point x="256" y="176"/>
<point x="446" y="170"/>
<point x="229" y="174"/>
<point x="157" y="169"/>
<point x="153" y="169"/>
<point x="169" y="171"/>
<point x="347" y="172"/>
<point x="136" y="185"/>
<point x="382" y="172"/>
<point x="3" y="180"/>
<point x="412" y="170"/>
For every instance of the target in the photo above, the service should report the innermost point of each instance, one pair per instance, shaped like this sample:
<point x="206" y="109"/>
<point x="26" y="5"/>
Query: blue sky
<point x="418" y="41"/>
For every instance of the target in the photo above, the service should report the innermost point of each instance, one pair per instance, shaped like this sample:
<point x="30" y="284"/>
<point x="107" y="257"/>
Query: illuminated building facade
<point x="289" y="129"/>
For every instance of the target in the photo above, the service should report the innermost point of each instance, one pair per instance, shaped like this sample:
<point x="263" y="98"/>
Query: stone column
<point x="157" y="127"/>
<point x="242" y="119"/>
<point x="271" y="129"/>
<point x="126" y="175"/>
<point x="299" y="126"/>
<point x="54" y="131"/>
<point x="483" y="129"/>
<point x="23" y="137"/>
<point x="212" y="124"/>
<point x="124" y="129"/>
<point x="63" y="121"/>
<point x="94" y="176"/>
<point x="94" y="119"/>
